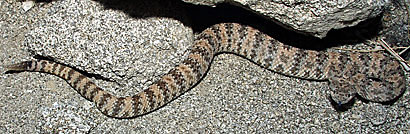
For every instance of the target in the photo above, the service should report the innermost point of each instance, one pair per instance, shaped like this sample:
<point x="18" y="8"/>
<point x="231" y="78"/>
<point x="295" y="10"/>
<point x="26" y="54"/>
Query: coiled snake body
<point x="374" y="76"/>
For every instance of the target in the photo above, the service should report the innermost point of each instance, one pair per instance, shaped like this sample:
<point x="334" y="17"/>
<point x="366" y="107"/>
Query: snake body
<point x="374" y="76"/>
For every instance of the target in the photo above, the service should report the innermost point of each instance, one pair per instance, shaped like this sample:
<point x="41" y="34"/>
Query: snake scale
<point x="374" y="76"/>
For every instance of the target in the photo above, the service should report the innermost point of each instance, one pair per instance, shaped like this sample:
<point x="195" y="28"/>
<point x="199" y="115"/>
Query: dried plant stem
<point x="395" y="55"/>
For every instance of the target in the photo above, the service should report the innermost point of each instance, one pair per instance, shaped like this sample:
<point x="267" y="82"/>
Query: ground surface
<point x="236" y="96"/>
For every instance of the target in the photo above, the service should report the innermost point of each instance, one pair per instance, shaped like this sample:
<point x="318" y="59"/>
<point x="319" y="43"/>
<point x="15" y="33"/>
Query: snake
<point x="374" y="76"/>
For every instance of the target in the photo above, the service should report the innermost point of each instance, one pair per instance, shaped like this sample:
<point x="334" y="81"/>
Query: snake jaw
<point x="22" y="66"/>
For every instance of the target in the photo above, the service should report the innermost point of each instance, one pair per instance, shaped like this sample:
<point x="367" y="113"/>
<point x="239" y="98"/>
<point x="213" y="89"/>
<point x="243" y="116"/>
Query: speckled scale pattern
<point x="374" y="76"/>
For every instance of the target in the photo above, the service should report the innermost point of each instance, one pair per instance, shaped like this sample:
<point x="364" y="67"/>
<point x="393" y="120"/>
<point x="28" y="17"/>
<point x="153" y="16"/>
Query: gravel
<point x="236" y="96"/>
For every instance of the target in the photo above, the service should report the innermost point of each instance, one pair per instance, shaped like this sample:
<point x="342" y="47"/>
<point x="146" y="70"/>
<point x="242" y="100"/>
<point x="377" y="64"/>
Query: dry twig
<point x="395" y="55"/>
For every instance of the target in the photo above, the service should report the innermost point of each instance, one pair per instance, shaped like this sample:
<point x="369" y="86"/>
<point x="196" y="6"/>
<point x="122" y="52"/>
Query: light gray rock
<point x="313" y="17"/>
<point x="236" y="96"/>
<point x="110" y="43"/>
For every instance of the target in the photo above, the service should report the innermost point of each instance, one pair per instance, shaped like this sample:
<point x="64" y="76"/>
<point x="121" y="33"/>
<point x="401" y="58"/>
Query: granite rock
<point x="311" y="17"/>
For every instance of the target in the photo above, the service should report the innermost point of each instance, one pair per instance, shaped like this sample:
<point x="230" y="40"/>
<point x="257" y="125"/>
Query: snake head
<point x="388" y="87"/>
<point x="376" y="77"/>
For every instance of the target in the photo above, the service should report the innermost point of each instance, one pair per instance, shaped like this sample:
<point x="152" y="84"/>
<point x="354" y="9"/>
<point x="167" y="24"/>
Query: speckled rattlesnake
<point x="374" y="76"/>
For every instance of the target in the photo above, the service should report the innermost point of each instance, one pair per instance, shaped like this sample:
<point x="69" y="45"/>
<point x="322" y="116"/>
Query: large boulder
<point x="312" y="17"/>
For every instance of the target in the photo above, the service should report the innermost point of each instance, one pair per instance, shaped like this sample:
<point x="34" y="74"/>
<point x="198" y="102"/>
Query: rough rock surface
<point x="313" y="17"/>
<point x="109" y="43"/>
